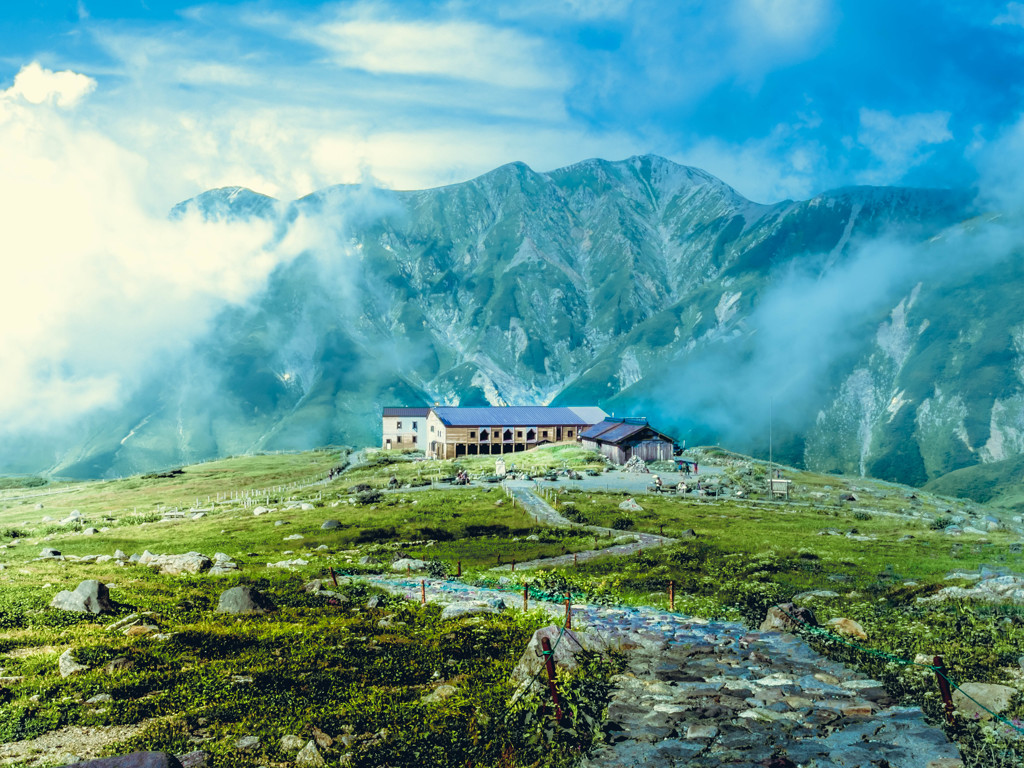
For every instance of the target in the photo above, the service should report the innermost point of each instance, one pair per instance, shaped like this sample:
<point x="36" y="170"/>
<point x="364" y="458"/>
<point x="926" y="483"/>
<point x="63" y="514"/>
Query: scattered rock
<point x="309" y="757"/>
<point x="330" y="525"/>
<point x="288" y="563"/>
<point x="90" y="531"/>
<point x="260" y="511"/>
<point x="468" y="608"/>
<point x="787" y="617"/>
<point x="91" y="596"/>
<point x="244" y="600"/>
<point x="995" y="697"/>
<point x="848" y="627"/>
<point x="407" y="564"/>
<point x="630" y="505"/>
<point x="306" y="507"/>
<point x="100" y="698"/>
<point x="68" y="665"/>
<point x="176" y="565"/>
<point x="52" y="553"/>
<point x="247" y="743"/>
<point x="292" y="743"/>
<point x="439" y="694"/>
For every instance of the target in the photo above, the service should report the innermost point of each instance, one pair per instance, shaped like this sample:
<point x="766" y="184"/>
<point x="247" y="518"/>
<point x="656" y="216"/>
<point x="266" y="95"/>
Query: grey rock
<point x="91" y="596"/>
<point x="330" y="525"/>
<point x="407" y="564"/>
<point x="91" y="531"/>
<point x="309" y="757"/>
<point x="439" y="694"/>
<point x="99" y="698"/>
<point x="781" y="618"/>
<point x="52" y="553"/>
<point x="197" y="759"/>
<point x="247" y="743"/>
<point x="292" y="743"/>
<point x="469" y="608"/>
<point x="244" y="600"/>
<point x="68" y="665"/>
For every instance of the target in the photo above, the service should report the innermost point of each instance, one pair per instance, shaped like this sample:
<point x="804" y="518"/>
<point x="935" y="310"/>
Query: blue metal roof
<point x="517" y="416"/>
<point x="406" y="411"/>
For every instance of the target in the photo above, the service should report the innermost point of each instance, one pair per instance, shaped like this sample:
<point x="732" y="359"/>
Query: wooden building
<point x="404" y="427"/>
<point x="621" y="439"/>
<point x="453" y="432"/>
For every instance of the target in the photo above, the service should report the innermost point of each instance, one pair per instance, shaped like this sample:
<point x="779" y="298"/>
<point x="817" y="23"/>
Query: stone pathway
<point x="545" y="513"/>
<point x="709" y="693"/>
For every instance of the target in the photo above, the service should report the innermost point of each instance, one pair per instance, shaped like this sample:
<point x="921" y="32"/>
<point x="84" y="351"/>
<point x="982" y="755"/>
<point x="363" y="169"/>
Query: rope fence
<point x="939" y="670"/>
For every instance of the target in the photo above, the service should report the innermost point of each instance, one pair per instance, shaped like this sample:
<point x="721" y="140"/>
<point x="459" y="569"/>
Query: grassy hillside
<point x="364" y="675"/>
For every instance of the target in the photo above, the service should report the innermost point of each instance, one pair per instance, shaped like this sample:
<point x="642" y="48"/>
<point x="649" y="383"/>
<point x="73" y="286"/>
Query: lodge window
<point x="431" y="429"/>
<point x="472" y="433"/>
<point x="544" y="433"/>
<point x="531" y="435"/>
<point x="414" y="439"/>
<point x="414" y="425"/>
<point x="398" y="439"/>
<point x="569" y="433"/>
<point x="398" y="425"/>
<point x="519" y="433"/>
<point x="507" y="435"/>
<point x="483" y="435"/>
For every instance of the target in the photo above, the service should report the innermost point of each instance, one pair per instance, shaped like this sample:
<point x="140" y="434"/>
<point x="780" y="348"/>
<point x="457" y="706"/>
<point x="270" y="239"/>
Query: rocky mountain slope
<point x="875" y="328"/>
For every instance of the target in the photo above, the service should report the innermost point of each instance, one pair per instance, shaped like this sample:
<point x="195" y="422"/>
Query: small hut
<point x="622" y="439"/>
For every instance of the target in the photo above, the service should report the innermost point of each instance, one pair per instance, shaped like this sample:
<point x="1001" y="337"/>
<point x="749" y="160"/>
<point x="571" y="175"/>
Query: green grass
<point x="338" y="668"/>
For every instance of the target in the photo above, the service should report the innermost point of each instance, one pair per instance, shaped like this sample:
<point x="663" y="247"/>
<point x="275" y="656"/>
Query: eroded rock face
<point x="565" y="651"/>
<point x="91" y="596"/>
<point x="244" y="600"/>
<point x="408" y="564"/>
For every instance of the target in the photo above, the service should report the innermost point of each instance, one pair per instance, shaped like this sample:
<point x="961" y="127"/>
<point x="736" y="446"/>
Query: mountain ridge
<point x="622" y="283"/>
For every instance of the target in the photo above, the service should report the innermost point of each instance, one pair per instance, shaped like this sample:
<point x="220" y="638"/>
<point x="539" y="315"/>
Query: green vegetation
<point x="363" y="672"/>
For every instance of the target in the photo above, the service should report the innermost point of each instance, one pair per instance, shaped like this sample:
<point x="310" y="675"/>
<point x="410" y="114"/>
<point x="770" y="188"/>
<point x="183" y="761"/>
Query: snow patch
<point x="727" y="308"/>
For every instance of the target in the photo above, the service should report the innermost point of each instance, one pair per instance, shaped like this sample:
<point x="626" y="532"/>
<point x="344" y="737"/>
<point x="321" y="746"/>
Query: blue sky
<point x="781" y="98"/>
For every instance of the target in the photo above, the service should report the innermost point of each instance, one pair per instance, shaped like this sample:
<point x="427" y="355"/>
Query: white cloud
<point x="899" y="143"/>
<point x="460" y="50"/>
<point x="97" y="290"/>
<point x="37" y="85"/>
<point x="1012" y="16"/>
<point x="782" y="165"/>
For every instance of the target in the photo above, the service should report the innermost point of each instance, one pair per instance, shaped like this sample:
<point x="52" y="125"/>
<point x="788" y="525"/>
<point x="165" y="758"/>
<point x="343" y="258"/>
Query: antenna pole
<point x="771" y="486"/>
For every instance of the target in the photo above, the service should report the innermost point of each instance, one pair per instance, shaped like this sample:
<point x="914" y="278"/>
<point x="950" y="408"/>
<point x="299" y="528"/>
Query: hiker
<point x="657" y="482"/>
<point x="695" y="468"/>
<point x="682" y="487"/>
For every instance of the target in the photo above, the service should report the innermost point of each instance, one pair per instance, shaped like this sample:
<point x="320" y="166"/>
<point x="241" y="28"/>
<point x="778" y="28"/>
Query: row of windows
<point x="399" y="426"/>
<point x="412" y="439"/>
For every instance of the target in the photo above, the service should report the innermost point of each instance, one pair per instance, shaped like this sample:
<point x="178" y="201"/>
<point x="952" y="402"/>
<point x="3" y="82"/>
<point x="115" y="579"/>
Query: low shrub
<point x="623" y="523"/>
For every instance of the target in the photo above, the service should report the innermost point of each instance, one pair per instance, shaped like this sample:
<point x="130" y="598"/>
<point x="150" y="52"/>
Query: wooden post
<point x="513" y="563"/>
<point x="575" y="562"/>
<point x="423" y="591"/>
<point x="568" y="610"/>
<point x="671" y="595"/>
<point x="549" y="663"/>
<point x="333" y="577"/>
<point x="947" y="696"/>
<point x="662" y="530"/>
<point x="526" y="597"/>
<point x="458" y="572"/>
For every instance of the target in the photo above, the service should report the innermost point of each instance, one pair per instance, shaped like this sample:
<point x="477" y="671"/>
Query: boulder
<point x="407" y="564"/>
<point x="68" y="665"/>
<point x="309" y="757"/>
<point x="995" y="697"/>
<point x="787" y="617"/>
<point x="469" y="608"/>
<point x="91" y="596"/>
<point x="629" y="505"/>
<point x="91" y="531"/>
<point x="244" y="600"/>
<point x="565" y="652"/>
<point x="52" y="553"/>
<point x="133" y="760"/>
<point x="247" y="743"/>
<point x="848" y="627"/>
<point x="175" y="565"/>
<point x="260" y="511"/>
<point x="288" y="563"/>
<point x="330" y="525"/>
<point x="292" y="743"/>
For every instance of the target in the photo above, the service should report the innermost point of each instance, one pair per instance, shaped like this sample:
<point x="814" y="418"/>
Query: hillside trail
<point x="705" y="694"/>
